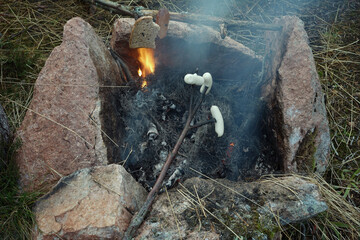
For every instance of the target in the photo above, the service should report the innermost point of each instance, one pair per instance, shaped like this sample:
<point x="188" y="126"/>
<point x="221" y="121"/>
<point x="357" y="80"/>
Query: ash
<point x="153" y="118"/>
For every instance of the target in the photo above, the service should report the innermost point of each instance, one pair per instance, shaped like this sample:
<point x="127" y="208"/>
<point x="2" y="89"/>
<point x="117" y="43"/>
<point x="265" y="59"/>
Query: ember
<point x="230" y="150"/>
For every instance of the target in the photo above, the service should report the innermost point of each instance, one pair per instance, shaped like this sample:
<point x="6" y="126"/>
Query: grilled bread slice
<point x="144" y="33"/>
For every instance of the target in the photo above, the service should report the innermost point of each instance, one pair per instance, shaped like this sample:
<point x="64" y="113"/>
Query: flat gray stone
<point x="249" y="209"/>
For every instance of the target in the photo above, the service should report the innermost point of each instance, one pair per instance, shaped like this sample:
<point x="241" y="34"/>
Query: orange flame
<point x="139" y="72"/>
<point x="144" y="84"/>
<point x="147" y="60"/>
<point x="232" y="144"/>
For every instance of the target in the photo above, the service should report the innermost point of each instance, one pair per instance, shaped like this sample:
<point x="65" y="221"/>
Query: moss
<point x="244" y="218"/>
<point x="191" y="218"/>
<point x="234" y="223"/>
<point x="267" y="225"/>
<point x="305" y="155"/>
<point x="253" y="224"/>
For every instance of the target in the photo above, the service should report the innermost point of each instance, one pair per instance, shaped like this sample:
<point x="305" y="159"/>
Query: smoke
<point x="237" y="91"/>
<point x="219" y="8"/>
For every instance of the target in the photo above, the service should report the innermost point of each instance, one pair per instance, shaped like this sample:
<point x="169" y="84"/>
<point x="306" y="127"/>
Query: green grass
<point x="16" y="217"/>
<point x="17" y="65"/>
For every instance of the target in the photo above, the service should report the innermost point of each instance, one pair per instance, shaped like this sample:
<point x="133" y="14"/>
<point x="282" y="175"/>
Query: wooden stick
<point x="122" y="65"/>
<point x="113" y="6"/>
<point x="184" y="17"/>
<point x="203" y="123"/>
<point x="213" y="21"/>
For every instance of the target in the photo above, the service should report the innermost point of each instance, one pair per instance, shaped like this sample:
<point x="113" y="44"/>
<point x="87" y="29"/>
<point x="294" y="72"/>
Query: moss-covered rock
<point x="227" y="210"/>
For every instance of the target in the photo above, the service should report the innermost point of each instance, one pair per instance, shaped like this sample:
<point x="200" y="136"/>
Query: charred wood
<point x="122" y="66"/>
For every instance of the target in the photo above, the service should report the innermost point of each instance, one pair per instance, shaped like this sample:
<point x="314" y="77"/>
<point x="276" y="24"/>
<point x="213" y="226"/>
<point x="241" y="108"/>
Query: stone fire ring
<point x="66" y="147"/>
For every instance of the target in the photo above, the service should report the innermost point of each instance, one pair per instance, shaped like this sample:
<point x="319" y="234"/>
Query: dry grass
<point x="197" y="203"/>
<point x="31" y="29"/>
<point x="29" y="32"/>
<point x="337" y="54"/>
<point x="338" y="61"/>
<point x="340" y="221"/>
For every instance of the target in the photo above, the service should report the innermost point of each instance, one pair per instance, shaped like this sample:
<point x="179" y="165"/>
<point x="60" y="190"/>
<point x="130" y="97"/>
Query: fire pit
<point x="274" y="123"/>
<point x="154" y="108"/>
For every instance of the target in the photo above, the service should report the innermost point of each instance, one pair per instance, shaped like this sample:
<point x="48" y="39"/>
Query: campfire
<point x="194" y="106"/>
<point x="155" y="108"/>
<point x="170" y="115"/>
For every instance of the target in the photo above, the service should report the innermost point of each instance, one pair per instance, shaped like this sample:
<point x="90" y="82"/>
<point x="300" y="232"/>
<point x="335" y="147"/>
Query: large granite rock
<point x="92" y="203"/>
<point x="61" y="132"/>
<point x="188" y="46"/>
<point x="209" y="208"/>
<point x="295" y="98"/>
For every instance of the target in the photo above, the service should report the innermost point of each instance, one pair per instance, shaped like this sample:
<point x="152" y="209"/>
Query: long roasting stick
<point x="183" y="17"/>
<point x="213" y="21"/>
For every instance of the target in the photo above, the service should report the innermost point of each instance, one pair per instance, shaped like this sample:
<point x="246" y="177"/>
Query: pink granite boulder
<point x="295" y="98"/>
<point x="62" y="129"/>
<point x="92" y="203"/>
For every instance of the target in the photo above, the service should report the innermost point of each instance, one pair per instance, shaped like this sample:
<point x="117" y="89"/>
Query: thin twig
<point x="116" y="7"/>
<point x="121" y="65"/>
<point x="203" y="123"/>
